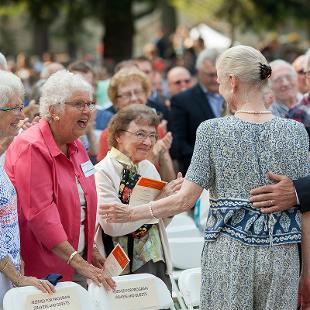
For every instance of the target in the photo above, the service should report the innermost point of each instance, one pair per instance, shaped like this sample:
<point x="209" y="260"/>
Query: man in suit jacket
<point x="193" y="106"/>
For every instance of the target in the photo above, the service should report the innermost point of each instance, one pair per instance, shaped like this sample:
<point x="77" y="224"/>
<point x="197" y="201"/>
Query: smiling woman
<point x="53" y="176"/>
<point x="132" y="134"/>
<point x="11" y="273"/>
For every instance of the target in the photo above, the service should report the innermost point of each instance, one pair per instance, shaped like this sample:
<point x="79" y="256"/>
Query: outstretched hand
<point x="275" y="197"/>
<point x="172" y="187"/>
<point x="115" y="213"/>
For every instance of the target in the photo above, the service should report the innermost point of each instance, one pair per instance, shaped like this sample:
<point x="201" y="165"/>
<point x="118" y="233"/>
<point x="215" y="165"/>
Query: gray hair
<point x="10" y="86"/>
<point x="49" y="69"/>
<point x="282" y="63"/>
<point x="210" y="54"/>
<point x="245" y="63"/>
<point x="59" y="87"/>
<point x="307" y="60"/>
<point x="3" y="62"/>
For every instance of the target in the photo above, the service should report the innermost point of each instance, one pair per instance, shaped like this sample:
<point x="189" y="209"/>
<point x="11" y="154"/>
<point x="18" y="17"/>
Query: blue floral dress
<point x="9" y="230"/>
<point x="250" y="260"/>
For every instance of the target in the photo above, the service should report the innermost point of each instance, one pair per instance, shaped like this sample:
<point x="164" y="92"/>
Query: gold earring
<point x="56" y="118"/>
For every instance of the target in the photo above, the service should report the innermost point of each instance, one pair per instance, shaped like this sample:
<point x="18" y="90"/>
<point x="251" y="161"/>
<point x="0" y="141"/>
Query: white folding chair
<point x="186" y="252"/>
<point x="102" y="300"/>
<point x="183" y="231"/>
<point x="15" y="298"/>
<point x="189" y="285"/>
<point x="181" y="219"/>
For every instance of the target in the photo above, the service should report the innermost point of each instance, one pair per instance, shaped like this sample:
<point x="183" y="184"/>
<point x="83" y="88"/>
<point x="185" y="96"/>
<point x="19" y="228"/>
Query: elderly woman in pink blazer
<point x="53" y="176"/>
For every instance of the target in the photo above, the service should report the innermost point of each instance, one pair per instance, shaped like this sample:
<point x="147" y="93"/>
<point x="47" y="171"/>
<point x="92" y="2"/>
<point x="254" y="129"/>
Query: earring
<point x="56" y="118"/>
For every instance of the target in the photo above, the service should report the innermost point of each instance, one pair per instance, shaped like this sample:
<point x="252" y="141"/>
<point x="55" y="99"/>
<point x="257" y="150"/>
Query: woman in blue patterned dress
<point x="250" y="259"/>
<point x="11" y="113"/>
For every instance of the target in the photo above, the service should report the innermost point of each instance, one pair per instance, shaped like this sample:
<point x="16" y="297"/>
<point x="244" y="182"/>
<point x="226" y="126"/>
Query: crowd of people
<point x="236" y="125"/>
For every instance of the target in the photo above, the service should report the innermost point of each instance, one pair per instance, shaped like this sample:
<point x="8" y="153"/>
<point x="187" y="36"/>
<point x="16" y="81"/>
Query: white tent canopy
<point x="211" y="37"/>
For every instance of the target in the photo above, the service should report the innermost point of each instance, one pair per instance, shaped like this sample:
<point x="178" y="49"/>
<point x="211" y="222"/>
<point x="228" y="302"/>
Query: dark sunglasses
<point x="179" y="82"/>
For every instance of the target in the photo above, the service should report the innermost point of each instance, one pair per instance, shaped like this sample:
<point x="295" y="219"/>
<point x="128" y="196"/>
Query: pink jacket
<point x="48" y="199"/>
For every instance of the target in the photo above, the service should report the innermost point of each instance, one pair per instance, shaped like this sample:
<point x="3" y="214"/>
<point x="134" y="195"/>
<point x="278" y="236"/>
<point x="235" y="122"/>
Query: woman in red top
<point x="131" y="86"/>
<point x="53" y="176"/>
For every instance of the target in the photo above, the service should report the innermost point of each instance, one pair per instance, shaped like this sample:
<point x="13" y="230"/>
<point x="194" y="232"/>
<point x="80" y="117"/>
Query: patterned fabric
<point x="230" y="158"/>
<point x="146" y="240"/>
<point x="128" y="181"/>
<point x="301" y="112"/>
<point x="145" y="249"/>
<point x="239" y="220"/>
<point x="9" y="230"/>
<point x="236" y="276"/>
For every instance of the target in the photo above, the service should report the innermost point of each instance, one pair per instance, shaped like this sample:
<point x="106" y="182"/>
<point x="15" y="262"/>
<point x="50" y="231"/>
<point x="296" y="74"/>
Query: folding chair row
<point x="140" y="291"/>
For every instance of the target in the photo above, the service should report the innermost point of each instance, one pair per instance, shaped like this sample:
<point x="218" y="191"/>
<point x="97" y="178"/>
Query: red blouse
<point x="48" y="199"/>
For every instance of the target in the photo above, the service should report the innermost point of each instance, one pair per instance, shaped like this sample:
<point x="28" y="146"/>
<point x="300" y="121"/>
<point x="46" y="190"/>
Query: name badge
<point x="88" y="168"/>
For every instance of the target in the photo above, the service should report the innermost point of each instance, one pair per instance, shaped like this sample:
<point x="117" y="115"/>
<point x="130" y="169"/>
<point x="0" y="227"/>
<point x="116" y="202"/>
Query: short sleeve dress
<point x="250" y="260"/>
<point x="9" y="231"/>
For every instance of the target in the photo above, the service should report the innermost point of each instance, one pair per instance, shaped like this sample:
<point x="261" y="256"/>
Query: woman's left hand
<point x="115" y="213"/>
<point x="98" y="259"/>
<point x="172" y="187"/>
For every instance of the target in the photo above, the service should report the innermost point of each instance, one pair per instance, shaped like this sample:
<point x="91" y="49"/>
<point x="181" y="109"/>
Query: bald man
<point x="179" y="79"/>
<point x="298" y="65"/>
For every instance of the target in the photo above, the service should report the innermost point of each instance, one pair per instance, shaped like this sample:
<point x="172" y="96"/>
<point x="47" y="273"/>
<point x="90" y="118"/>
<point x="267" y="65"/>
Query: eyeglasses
<point x="301" y="72"/>
<point x="179" y="82"/>
<point x="129" y="94"/>
<point x="142" y="136"/>
<point x="287" y="77"/>
<point x="81" y="105"/>
<point x="211" y="75"/>
<point x="19" y="108"/>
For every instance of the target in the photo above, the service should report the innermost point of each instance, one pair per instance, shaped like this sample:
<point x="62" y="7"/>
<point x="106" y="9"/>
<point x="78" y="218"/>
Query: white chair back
<point x="66" y="293"/>
<point x="190" y="284"/>
<point x="186" y="252"/>
<point x="125" y="296"/>
<point x="182" y="231"/>
<point x="181" y="219"/>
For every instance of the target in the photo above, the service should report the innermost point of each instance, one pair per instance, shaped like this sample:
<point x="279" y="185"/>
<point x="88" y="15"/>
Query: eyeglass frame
<point x="143" y="136"/>
<point x="91" y="105"/>
<point x="17" y="108"/>
<point x="179" y="82"/>
<point x="287" y="77"/>
<point x="128" y="94"/>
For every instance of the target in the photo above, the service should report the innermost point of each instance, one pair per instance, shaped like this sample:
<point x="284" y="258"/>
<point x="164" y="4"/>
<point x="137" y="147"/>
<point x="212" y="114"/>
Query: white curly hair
<point x="10" y="86"/>
<point x="59" y="87"/>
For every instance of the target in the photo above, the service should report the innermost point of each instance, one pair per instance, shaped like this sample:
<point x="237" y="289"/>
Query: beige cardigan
<point x="107" y="176"/>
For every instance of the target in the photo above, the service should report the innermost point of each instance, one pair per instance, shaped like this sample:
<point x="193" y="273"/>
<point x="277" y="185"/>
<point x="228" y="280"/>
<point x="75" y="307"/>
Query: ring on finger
<point x="271" y="203"/>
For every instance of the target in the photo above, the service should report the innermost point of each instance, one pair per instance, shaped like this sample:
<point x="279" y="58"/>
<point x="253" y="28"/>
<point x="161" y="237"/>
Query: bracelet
<point x="5" y="265"/>
<point x="151" y="211"/>
<point x="18" y="281"/>
<point x="71" y="257"/>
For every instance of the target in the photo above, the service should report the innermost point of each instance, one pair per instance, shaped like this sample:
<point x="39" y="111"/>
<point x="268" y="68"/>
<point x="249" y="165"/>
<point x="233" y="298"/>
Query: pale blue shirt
<point x="216" y="101"/>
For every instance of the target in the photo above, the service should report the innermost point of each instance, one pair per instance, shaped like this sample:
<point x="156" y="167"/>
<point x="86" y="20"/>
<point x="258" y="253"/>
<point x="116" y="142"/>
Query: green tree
<point x="257" y="15"/>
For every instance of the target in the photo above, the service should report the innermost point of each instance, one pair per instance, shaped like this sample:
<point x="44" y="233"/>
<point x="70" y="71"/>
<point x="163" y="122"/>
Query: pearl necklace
<point x="253" y="112"/>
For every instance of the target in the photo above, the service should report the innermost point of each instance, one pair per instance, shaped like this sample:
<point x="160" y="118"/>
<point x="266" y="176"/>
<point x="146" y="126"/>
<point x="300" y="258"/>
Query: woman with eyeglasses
<point x="131" y="86"/>
<point x="11" y="270"/>
<point x="132" y="134"/>
<point x="53" y="176"/>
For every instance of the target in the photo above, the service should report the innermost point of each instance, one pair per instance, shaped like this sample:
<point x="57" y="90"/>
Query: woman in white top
<point x="132" y="134"/>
